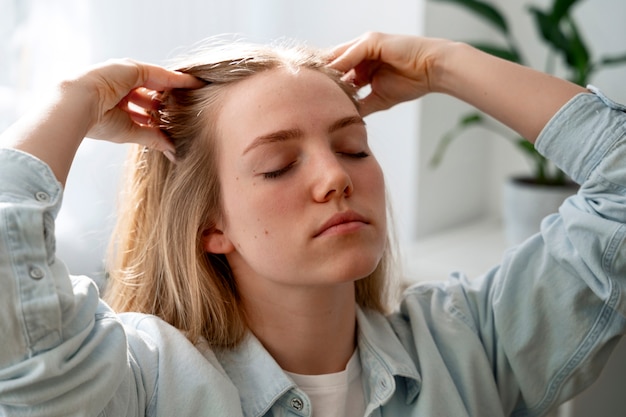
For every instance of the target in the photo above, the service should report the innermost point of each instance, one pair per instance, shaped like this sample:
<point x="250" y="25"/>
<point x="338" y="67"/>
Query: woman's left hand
<point x="398" y="68"/>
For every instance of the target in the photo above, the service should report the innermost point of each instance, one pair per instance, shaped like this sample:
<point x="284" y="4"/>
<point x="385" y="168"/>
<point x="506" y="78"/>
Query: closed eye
<point x="278" y="172"/>
<point x="356" y="155"/>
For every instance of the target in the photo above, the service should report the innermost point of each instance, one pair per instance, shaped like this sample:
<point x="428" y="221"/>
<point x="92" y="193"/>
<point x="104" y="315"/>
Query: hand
<point x="127" y="93"/>
<point x="401" y="68"/>
<point x="97" y="104"/>
<point x="397" y="67"/>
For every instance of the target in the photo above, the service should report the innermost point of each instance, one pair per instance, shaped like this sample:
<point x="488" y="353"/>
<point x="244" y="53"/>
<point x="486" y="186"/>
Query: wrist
<point x="448" y="66"/>
<point x="77" y="99"/>
<point x="53" y="130"/>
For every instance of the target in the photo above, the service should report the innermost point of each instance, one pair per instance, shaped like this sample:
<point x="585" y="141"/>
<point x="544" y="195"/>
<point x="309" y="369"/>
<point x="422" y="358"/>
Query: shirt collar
<point x="257" y="376"/>
<point x="261" y="381"/>
<point x="383" y="357"/>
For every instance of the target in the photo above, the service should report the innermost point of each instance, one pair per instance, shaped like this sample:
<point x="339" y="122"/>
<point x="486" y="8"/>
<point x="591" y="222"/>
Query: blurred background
<point x="446" y="218"/>
<point x="44" y="40"/>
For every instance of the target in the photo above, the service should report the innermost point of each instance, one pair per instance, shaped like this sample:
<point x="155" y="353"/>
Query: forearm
<point x="519" y="97"/>
<point x="53" y="131"/>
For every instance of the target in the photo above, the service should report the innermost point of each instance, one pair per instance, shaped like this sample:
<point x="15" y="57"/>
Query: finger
<point x="371" y="104"/>
<point x="353" y="53"/>
<point x="128" y="126"/>
<point x="158" y="78"/>
<point x="127" y="74"/>
<point x="340" y="49"/>
<point x="364" y="72"/>
<point x="350" y="56"/>
<point x="150" y="133"/>
<point x="140" y="118"/>
<point x="152" y="138"/>
<point x="141" y="105"/>
<point x="143" y="98"/>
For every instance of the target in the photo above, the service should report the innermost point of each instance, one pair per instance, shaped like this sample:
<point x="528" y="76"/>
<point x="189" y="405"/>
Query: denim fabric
<point x="526" y="336"/>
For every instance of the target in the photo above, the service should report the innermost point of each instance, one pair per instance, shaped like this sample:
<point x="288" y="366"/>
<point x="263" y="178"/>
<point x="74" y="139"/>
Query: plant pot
<point x="526" y="203"/>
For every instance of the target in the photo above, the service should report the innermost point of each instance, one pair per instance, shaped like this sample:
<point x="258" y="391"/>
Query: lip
<point x="343" y="218"/>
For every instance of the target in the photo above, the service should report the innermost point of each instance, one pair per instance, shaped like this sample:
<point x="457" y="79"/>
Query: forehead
<point x="281" y="99"/>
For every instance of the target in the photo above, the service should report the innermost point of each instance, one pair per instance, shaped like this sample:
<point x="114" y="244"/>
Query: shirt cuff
<point x="582" y="132"/>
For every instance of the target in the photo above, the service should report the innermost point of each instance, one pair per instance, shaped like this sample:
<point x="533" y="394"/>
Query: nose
<point x="332" y="179"/>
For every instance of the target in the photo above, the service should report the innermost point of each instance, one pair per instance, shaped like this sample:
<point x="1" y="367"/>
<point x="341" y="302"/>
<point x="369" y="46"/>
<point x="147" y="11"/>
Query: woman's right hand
<point x="112" y="101"/>
<point x="125" y="94"/>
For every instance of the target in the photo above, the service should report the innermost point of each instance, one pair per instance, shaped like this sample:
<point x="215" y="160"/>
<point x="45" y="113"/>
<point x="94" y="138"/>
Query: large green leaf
<point x="561" y="8"/>
<point x="577" y="54"/>
<point x="550" y="32"/>
<point x="485" y="11"/>
<point x="570" y="44"/>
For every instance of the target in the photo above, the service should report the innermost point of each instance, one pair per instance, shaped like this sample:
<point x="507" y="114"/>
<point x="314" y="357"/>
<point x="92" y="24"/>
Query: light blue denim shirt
<point x="524" y="337"/>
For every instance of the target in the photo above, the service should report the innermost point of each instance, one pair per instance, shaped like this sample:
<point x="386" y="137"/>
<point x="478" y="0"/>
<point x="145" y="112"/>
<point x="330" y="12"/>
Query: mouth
<point x="345" y="222"/>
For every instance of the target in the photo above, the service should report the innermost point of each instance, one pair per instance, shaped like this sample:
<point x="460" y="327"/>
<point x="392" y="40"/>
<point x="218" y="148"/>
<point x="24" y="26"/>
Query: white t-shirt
<point x="335" y="395"/>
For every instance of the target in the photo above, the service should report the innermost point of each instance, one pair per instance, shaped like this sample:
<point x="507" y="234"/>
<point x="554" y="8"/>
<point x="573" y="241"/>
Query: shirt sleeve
<point x="555" y="307"/>
<point x="63" y="351"/>
<point x="539" y="327"/>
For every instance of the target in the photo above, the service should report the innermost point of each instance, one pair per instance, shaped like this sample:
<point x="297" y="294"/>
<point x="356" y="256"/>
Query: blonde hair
<point x="158" y="264"/>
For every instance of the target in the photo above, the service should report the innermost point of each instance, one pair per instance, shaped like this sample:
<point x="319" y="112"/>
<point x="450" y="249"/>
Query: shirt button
<point x="36" y="273"/>
<point x="41" y="196"/>
<point x="297" y="404"/>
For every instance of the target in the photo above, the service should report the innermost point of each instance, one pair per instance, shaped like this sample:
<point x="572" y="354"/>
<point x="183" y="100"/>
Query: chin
<point x="356" y="268"/>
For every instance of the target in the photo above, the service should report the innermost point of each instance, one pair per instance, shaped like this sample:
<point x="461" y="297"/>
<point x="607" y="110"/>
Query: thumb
<point x="346" y="56"/>
<point x="372" y="103"/>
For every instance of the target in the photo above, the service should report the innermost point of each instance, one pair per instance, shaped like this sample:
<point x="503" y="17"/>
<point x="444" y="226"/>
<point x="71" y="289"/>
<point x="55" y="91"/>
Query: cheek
<point x="372" y="181"/>
<point x="258" y="210"/>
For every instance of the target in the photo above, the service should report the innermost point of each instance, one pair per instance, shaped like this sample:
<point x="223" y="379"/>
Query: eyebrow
<point x="289" y="134"/>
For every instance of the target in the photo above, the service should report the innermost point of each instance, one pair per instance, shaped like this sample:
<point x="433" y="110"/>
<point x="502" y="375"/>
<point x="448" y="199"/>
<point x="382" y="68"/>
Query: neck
<point x="309" y="331"/>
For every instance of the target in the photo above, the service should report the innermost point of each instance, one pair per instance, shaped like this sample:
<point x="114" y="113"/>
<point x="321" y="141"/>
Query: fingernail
<point x="170" y="155"/>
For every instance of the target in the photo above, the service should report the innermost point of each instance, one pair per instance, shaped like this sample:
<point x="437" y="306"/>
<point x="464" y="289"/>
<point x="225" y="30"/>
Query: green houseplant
<point x="527" y="199"/>
<point x="559" y="32"/>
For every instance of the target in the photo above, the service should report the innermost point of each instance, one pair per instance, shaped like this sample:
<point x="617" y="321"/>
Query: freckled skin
<point x="321" y="182"/>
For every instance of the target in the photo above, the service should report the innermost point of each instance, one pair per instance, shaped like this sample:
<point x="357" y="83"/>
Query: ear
<point x="215" y="241"/>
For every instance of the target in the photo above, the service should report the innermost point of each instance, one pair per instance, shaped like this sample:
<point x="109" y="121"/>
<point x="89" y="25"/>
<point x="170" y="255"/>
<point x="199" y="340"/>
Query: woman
<point x="269" y="281"/>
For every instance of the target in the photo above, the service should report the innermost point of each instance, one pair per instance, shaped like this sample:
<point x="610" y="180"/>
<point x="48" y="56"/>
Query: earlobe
<point x="215" y="241"/>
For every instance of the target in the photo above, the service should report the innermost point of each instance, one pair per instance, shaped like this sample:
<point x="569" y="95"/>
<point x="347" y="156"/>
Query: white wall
<point x="55" y="37"/>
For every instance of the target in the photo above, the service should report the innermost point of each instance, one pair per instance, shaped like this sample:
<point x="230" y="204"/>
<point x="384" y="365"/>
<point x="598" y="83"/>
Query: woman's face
<point x="303" y="197"/>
